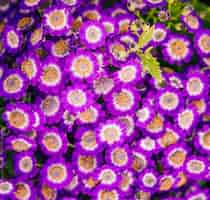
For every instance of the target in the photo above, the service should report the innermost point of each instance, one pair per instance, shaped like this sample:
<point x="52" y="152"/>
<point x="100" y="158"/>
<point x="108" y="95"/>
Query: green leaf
<point x="151" y="65"/>
<point x="146" y="35"/>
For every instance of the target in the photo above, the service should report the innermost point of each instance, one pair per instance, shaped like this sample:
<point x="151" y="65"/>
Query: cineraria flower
<point x="25" y="164"/>
<point x="70" y="3"/>
<point x="85" y="163"/>
<point x="102" y="194"/>
<point x="82" y="66"/>
<point x="175" y="80"/>
<point x="48" y="192"/>
<point x="175" y="156"/>
<point x="51" y="76"/>
<point x="126" y="181"/>
<point x="122" y="100"/>
<point x="92" y="13"/>
<point x="110" y="25"/>
<point x="139" y="161"/>
<point x="87" y="139"/>
<point x="90" y="114"/>
<point x="53" y="142"/>
<point x="20" y="143"/>
<point x="202" y="140"/>
<point x="129" y="73"/>
<point x="32" y="4"/>
<point x="6" y="188"/>
<point x="25" y="23"/>
<point x="51" y="108"/>
<point x="129" y="39"/>
<point x="18" y="117"/>
<point x="68" y="120"/>
<point x="192" y="22"/>
<point x="37" y="36"/>
<point x="23" y="190"/>
<point x="124" y="23"/>
<point x="55" y="173"/>
<point x="60" y="48"/>
<point x="76" y="98"/>
<point x="196" y="167"/>
<point x="119" y="156"/>
<point x="201" y="42"/>
<point x="195" y="85"/>
<point x="144" y="115"/>
<point x="74" y="184"/>
<point x="177" y="49"/>
<point x="149" y="180"/>
<point x="92" y="34"/>
<point x="89" y="184"/>
<point x="103" y="84"/>
<point x="107" y="176"/>
<point x="111" y="132"/>
<point x="166" y="182"/>
<point x="30" y="66"/>
<point x="12" y="39"/>
<point x="200" y="105"/>
<point x="197" y="195"/>
<point x="13" y="84"/>
<point x="57" y="20"/>
<point x="159" y="35"/>
<point x="186" y="118"/>
<point x="168" y="100"/>
<point x="147" y="144"/>
<point x="156" y="125"/>
<point x="181" y="179"/>
<point x="170" y="136"/>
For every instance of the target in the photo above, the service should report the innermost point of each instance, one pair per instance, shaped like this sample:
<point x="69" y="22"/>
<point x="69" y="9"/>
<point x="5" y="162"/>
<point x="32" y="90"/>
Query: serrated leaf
<point x="146" y="36"/>
<point x="151" y="65"/>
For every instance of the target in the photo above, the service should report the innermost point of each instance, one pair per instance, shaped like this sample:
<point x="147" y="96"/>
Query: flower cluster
<point x="81" y="118"/>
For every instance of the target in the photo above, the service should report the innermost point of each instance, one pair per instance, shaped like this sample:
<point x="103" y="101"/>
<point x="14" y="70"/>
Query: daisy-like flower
<point x="155" y="3"/>
<point x="20" y="143"/>
<point x="53" y="142"/>
<point x="92" y="13"/>
<point x="13" y="84"/>
<point x="177" y="49"/>
<point x="197" y="195"/>
<point x="170" y="136"/>
<point x="176" y="156"/>
<point x="122" y="100"/>
<point x="30" y="66"/>
<point x="56" y="173"/>
<point x="25" y="22"/>
<point x="202" y="140"/>
<point x="18" y="117"/>
<point x="139" y="161"/>
<point x="147" y="144"/>
<point x="110" y="25"/>
<point x="149" y="180"/>
<point x="36" y="36"/>
<point x="87" y="139"/>
<point x="103" y="84"/>
<point x="201" y="42"/>
<point x="128" y="122"/>
<point x="6" y="188"/>
<point x="30" y="4"/>
<point x="92" y="34"/>
<point x="111" y="132"/>
<point x="196" y="85"/>
<point x="85" y="163"/>
<point x="48" y="192"/>
<point x="25" y="164"/>
<point x="186" y="118"/>
<point x="68" y="120"/>
<point x="126" y="181"/>
<point x="82" y="65"/>
<point x="57" y="20"/>
<point x="12" y="39"/>
<point x="181" y="179"/>
<point x="76" y="98"/>
<point x="5" y="6"/>
<point x="200" y="105"/>
<point x="51" y="76"/>
<point x="168" y="100"/>
<point x="51" y="108"/>
<point x="196" y="167"/>
<point x="73" y="185"/>
<point x="119" y="156"/>
<point x="175" y="80"/>
<point x="166" y="182"/>
<point x="156" y="125"/>
<point x="118" y="10"/>
<point x="70" y="3"/>
<point x="103" y="193"/>
<point x="129" y="39"/>
<point x="60" y="48"/>
<point x="89" y="183"/>
<point x="191" y="21"/>
<point x="129" y="73"/>
<point x="107" y="176"/>
<point x="160" y="34"/>
<point x="144" y="115"/>
<point x="23" y="190"/>
<point x="124" y="23"/>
